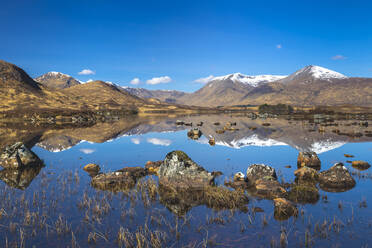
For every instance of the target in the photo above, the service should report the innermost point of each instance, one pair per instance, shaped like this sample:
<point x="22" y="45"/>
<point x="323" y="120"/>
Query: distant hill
<point x="57" y="80"/>
<point x="169" y="96"/>
<point x="20" y="94"/>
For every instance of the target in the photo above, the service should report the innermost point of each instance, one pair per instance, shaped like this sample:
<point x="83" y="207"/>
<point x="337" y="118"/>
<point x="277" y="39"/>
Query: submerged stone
<point x="306" y="174"/>
<point x="92" y="169"/>
<point x="284" y="209"/>
<point x="360" y="165"/>
<point x="303" y="193"/>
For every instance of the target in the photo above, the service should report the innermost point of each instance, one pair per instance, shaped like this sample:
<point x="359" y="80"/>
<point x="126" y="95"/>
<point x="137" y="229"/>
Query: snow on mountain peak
<point x="320" y="72"/>
<point x="250" y="80"/>
<point x="56" y="73"/>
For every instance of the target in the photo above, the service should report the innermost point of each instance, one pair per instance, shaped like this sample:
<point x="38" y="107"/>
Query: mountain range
<point x="309" y="86"/>
<point x="56" y="92"/>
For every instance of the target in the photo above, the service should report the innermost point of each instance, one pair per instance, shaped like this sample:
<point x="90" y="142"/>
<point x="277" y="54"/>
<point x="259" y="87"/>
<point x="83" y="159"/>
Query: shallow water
<point x="59" y="207"/>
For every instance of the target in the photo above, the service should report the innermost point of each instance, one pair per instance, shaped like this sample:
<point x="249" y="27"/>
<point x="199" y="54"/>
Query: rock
<point x="306" y="174"/>
<point x="179" y="171"/>
<point x="179" y="122"/>
<point x="153" y="167"/>
<point x="18" y="156"/>
<point x="336" y="179"/>
<point x="239" y="177"/>
<point x="121" y="180"/>
<point x="266" y="124"/>
<point x="220" y="131"/>
<point x="92" y="169"/>
<point x="269" y="189"/>
<point x="348" y="155"/>
<point x="199" y="124"/>
<point x="309" y="159"/>
<point x="287" y="166"/>
<point x="216" y="123"/>
<point x="360" y="165"/>
<point x="212" y="141"/>
<point x="284" y="209"/>
<point x="194" y="133"/>
<point x="260" y="171"/>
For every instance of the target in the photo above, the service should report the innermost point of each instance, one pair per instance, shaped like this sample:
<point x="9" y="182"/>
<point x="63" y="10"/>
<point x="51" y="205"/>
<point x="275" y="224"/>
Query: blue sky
<point x="177" y="42"/>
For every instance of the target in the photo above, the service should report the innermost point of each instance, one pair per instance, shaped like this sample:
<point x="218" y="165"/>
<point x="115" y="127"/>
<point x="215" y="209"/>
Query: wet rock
<point x="239" y="177"/>
<point x="92" y="169"/>
<point x="309" y="159"/>
<point x="194" y="133"/>
<point x="284" y="209"/>
<point x="260" y="171"/>
<point x="121" y="180"/>
<point x="212" y="141"/>
<point x="306" y="174"/>
<point x="269" y="189"/>
<point x="348" y="155"/>
<point x="153" y="167"/>
<point x="179" y="122"/>
<point x="303" y="193"/>
<point x="360" y="165"/>
<point x="199" y="124"/>
<point x="221" y="131"/>
<point x="336" y="179"/>
<point x="179" y="171"/>
<point x="20" y="178"/>
<point x="18" y="156"/>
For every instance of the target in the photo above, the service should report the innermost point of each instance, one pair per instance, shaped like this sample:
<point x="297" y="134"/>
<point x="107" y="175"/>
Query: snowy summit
<point x="250" y="80"/>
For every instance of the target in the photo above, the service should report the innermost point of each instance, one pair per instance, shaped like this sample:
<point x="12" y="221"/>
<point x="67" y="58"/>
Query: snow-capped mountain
<point x="313" y="72"/>
<point x="57" y="80"/>
<point x="249" y="80"/>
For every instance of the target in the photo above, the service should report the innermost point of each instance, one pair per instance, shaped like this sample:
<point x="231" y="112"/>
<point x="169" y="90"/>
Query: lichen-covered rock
<point x="121" y="180"/>
<point x="239" y="176"/>
<point x="92" y="169"/>
<point x="178" y="170"/>
<point x="284" y="209"/>
<point x="309" y="159"/>
<point x="18" y="156"/>
<point x="194" y="134"/>
<point x="153" y="166"/>
<point x="306" y="174"/>
<point x="336" y="179"/>
<point x="360" y="165"/>
<point x="269" y="189"/>
<point x="260" y="171"/>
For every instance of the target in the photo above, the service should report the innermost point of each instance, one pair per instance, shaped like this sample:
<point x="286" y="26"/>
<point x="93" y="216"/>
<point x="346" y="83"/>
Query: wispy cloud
<point x="87" y="151"/>
<point x="159" y="142"/>
<point x="135" y="81"/>
<point x="86" y="72"/>
<point x="159" y="80"/>
<point x="136" y="141"/>
<point x="204" y="80"/>
<point x="279" y="46"/>
<point x="338" y="57"/>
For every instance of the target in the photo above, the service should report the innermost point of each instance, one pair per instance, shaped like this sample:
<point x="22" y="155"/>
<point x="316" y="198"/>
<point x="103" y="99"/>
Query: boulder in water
<point x="336" y="179"/>
<point x="18" y="156"/>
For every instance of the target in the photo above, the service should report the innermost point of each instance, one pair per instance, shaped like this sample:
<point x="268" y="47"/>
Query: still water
<point x="56" y="204"/>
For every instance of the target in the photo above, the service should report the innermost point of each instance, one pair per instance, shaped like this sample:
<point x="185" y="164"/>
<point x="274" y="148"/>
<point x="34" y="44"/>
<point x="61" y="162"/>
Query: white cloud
<point x="87" y="151"/>
<point x="136" y="141"/>
<point x="159" y="80"/>
<point x="135" y="81"/>
<point x="279" y="46"/>
<point x="338" y="57"/>
<point x="204" y="80"/>
<point x="160" y="142"/>
<point x="86" y="72"/>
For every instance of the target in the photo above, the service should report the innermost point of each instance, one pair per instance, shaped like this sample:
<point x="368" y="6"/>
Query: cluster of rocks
<point x="184" y="184"/>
